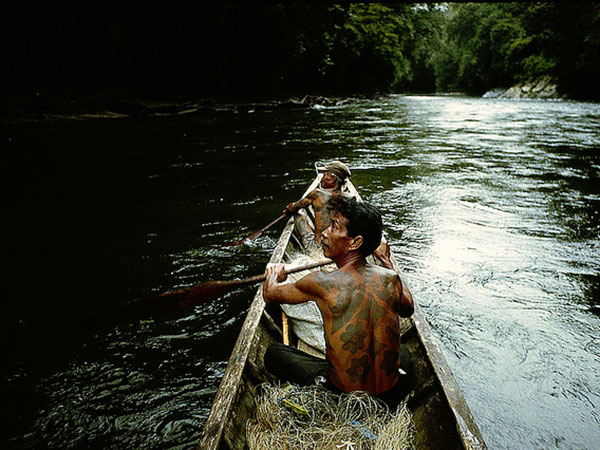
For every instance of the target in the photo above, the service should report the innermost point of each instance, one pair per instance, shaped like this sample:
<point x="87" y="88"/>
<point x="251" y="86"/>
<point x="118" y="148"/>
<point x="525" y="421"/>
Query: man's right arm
<point x="301" y="291"/>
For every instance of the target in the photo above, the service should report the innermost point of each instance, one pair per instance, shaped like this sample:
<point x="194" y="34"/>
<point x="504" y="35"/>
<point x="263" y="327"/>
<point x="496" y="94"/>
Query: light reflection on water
<point x="492" y="208"/>
<point x="501" y="272"/>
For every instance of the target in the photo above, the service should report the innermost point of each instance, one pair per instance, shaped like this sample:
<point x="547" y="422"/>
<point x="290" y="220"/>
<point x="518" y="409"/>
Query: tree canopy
<point x="294" y="48"/>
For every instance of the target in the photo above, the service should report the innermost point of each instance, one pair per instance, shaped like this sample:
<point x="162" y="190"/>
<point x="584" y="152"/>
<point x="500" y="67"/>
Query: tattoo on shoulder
<point x="328" y="281"/>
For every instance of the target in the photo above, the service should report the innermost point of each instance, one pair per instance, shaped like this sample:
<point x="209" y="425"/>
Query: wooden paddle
<point x="181" y="298"/>
<point x="254" y="234"/>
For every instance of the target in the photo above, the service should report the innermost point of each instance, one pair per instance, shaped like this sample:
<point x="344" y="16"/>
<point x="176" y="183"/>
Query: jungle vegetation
<point x="269" y="48"/>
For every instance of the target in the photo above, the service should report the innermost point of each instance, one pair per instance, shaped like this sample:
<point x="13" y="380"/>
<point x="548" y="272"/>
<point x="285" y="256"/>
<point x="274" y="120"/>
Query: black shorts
<point x="292" y="365"/>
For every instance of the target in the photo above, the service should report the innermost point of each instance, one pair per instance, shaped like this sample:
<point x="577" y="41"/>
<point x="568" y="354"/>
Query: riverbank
<point x="125" y="103"/>
<point x="541" y="88"/>
<point x="121" y="104"/>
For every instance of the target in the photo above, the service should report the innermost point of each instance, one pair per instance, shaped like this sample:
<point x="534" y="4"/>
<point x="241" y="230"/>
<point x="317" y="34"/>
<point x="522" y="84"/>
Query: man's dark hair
<point x="362" y="219"/>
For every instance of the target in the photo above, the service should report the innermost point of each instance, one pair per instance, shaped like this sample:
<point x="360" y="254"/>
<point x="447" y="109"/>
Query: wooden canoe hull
<point x="441" y="415"/>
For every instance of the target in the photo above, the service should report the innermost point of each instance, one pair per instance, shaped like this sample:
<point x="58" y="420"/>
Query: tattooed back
<point x="360" y="307"/>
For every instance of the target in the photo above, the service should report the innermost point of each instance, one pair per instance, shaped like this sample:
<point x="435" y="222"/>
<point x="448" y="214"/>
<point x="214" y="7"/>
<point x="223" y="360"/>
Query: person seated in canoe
<point x="360" y="304"/>
<point x="332" y="183"/>
<point x="334" y="177"/>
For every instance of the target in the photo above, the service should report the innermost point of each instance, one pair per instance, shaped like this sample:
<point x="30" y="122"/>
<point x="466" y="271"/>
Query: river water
<point x="492" y="208"/>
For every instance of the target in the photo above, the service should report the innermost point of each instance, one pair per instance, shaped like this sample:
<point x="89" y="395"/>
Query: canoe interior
<point x="441" y="416"/>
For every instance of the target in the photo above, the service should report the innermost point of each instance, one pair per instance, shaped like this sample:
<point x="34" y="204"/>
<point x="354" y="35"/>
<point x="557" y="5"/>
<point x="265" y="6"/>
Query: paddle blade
<point x="242" y="241"/>
<point x="199" y="293"/>
<point x="237" y="243"/>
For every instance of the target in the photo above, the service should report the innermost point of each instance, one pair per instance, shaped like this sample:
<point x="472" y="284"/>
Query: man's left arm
<point x="383" y="253"/>
<point x="406" y="306"/>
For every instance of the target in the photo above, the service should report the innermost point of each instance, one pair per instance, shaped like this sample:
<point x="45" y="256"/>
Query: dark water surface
<point x="492" y="208"/>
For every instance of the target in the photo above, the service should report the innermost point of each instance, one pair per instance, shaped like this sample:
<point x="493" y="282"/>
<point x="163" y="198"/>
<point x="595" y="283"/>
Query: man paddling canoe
<point x="305" y="318"/>
<point x="360" y="304"/>
<point x="334" y="177"/>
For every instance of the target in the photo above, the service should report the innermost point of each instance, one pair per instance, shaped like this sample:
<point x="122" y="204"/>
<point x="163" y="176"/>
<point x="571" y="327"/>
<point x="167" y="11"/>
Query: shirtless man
<point x="335" y="174"/>
<point x="360" y="304"/>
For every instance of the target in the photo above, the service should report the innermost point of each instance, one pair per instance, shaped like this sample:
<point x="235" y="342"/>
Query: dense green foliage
<point x="485" y="45"/>
<point x="308" y="47"/>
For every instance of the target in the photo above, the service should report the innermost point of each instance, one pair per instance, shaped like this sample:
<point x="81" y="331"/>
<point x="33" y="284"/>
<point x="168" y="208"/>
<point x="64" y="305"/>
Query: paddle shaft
<point x="184" y="297"/>
<point x="255" y="234"/>
<point x="259" y="278"/>
<point x="211" y="290"/>
<point x="270" y="224"/>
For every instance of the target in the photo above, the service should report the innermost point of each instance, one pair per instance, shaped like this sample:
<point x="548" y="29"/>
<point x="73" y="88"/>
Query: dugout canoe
<point x="441" y="415"/>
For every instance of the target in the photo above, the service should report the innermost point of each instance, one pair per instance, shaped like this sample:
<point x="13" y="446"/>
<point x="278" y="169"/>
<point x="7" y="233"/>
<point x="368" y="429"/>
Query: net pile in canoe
<point x="311" y="417"/>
